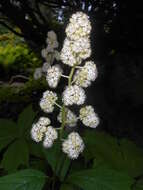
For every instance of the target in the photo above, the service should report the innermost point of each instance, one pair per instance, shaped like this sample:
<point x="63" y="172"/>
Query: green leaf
<point x="53" y="155"/>
<point x="35" y="149"/>
<point x="65" y="162"/>
<point x="17" y="154"/>
<point x="121" y="155"/>
<point x="102" y="146"/>
<point x="23" y="180"/>
<point x="8" y="132"/>
<point x="101" y="178"/>
<point x="132" y="161"/>
<point x="25" y="120"/>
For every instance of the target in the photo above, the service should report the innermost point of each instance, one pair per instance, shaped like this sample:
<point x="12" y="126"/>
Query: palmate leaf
<point x="101" y="178"/>
<point x="23" y="180"/>
<point x="121" y="155"/>
<point x="25" y="120"/>
<point x="8" y="132"/>
<point x="17" y="154"/>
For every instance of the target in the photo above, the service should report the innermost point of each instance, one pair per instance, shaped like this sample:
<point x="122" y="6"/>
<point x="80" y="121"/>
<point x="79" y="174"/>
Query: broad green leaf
<point x="17" y="154"/>
<point x="35" y="149"/>
<point x="101" y="178"/>
<point x="121" y="155"/>
<point x="132" y="161"/>
<point x="8" y="132"/>
<point x="23" y="180"/>
<point x="102" y="146"/>
<point x="25" y="120"/>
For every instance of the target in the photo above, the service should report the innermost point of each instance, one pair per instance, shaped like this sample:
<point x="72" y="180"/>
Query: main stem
<point x="63" y="107"/>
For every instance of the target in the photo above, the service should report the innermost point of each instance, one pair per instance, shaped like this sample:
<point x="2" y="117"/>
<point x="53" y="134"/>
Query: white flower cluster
<point x="73" y="95"/>
<point x="77" y="44"/>
<point x="50" y="136"/>
<point x="40" y="132"/>
<point x="47" y="101"/>
<point x="89" y="117"/>
<point x="86" y="74"/>
<point x="76" y="48"/>
<point x="49" y="54"/>
<point x="53" y="75"/>
<point x="79" y="26"/>
<point x="73" y="145"/>
<point x="70" y="118"/>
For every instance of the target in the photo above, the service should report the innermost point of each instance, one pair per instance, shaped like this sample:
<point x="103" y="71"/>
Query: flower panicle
<point x="76" y="49"/>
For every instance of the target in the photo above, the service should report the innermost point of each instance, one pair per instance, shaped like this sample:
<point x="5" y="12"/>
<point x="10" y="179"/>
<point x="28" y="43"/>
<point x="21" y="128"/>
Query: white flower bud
<point x="86" y="74"/>
<point x="50" y="136"/>
<point x="53" y="75"/>
<point x="73" y="145"/>
<point x="79" y="26"/>
<point x="37" y="132"/>
<point x="47" y="101"/>
<point x="70" y="118"/>
<point x="73" y="95"/>
<point x="89" y="117"/>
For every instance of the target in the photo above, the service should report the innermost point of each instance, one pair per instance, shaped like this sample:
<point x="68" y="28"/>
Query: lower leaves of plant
<point x="101" y="178"/>
<point x="23" y="180"/>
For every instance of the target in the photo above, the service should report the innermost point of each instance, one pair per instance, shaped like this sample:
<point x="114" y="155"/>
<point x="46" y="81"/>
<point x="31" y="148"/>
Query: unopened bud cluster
<point x="76" y="49"/>
<point x="49" y="54"/>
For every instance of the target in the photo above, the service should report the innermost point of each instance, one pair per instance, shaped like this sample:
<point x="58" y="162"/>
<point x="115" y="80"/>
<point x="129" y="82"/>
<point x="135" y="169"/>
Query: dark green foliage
<point x="101" y="178"/>
<point x="13" y="137"/>
<point x="122" y="155"/>
<point x="23" y="180"/>
<point x="22" y="93"/>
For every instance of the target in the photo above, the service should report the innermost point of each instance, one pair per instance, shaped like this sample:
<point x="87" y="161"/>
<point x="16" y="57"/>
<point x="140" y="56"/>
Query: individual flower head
<point x="53" y="75"/>
<point x="68" y="56"/>
<point x="73" y="145"/>
<point x="50" y="136"/>
<point x="81" y="48"/>
<point x="79" y="26"/>
<point x="44" y="121"/>
<point x="52" y="42"/>
<point x="88" y="117"/>
<point x="73" y="95"/>
<point x="47" y="101"/>
<point x="86" y="74"/>
<point x="38" y="73"/>
<point x="70" y="118"/>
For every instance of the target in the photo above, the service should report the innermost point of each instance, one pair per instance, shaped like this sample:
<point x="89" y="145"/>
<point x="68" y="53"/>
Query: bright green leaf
<point x="101" y="178"/>
<point x="25" y="120"/>
<point x="8" y="132"/>
<point x="17" y="154"/>
<point x="23" y="180"/>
